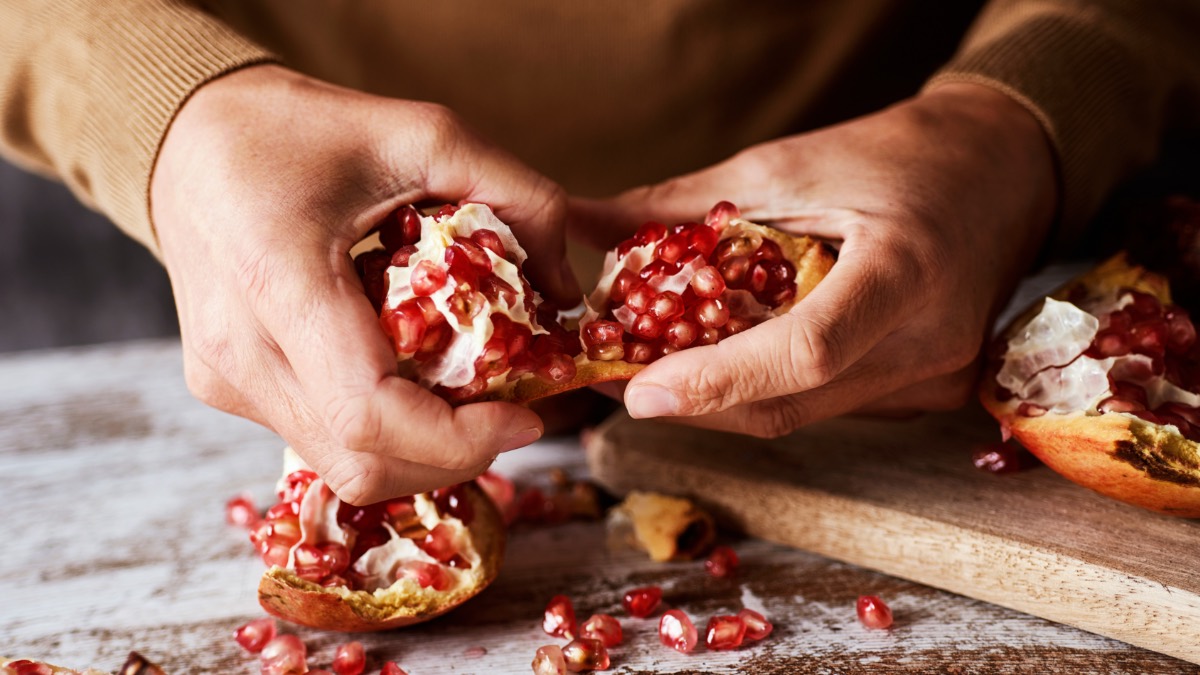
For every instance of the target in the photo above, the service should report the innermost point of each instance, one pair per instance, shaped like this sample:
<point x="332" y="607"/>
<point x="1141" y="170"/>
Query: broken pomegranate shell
<point x="1102" y="383"/>
<point x="464" y="321"/>
<point x="381" y="566"/>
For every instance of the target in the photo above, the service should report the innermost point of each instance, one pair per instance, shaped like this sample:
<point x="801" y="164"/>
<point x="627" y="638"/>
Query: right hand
<point x="264" y="182"/>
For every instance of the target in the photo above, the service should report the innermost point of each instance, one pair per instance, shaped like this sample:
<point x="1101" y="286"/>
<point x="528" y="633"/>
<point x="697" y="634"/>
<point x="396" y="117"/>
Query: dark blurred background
<point x="67" y="276"/>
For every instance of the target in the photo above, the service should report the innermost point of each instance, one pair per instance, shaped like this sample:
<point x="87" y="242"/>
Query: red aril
<point x="873" y="612"/>
<point x="1005" y="457"/>
<point x="604" y="628"/>
<point x="350" y="659"/>
<point x="559" y="618"/>
<point x="27" y="667"/>
<point x="240" y="511"/>
<point x="722" y="562"/>
<point x="583" y="654"/>
<point x="757" y="626"/>
<point x="502" y="492"/>
<point x="549" y="661"/>
<point x="676" y="630"/>
<point x="284" y="655"/>
<point x="724" y="632"/>
<point x="255" y="635"/>
<point x="392" y="668"/>
<point x="641" y="602"/>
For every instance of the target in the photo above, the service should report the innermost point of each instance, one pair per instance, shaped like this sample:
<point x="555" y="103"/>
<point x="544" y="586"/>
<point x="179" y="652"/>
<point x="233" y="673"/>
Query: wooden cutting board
<point x="904" y="498"/>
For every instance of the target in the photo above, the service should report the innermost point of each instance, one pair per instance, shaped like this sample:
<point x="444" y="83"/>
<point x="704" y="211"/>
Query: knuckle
<point x="442" y="126"/>
<point x="815" y="353"/>
<point x="711" y="391"/>
<point x="356" y="481"/>
<point x="353" y="423"/>
<point x="776" y="418"/>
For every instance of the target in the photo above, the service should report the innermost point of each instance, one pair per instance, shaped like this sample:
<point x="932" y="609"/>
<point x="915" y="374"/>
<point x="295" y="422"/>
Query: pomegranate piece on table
<point x="676" y="630"/>
<point x="284" y="655"/>
<point x="722" y="562"/>
<point x="391" y="668"/>
<point x="583" y="654"/>
<point x="350" y="659"/>
<point x="873" y="612"/>
<point x="724" y="632"/>
<point x="641" y="602"/>
<point x="757" y="625"/>
<point x="1101" y="381"/>
<point x="464" y="321"/>
<point x="348" y="568"/>
<point x="604" y="628"/>
<point x="254" y="635"/>
<point x="559" y="618"/>
<point x="549" y="660"/>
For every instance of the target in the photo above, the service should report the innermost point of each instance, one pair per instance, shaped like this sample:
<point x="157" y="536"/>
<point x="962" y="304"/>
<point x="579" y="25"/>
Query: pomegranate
<point x="255" y="635"/>
<point x="873" y="612"/>
<point x="583" y="654"/>
<point x="757" y="625"/>
<point x="549" y="660"/>
<point x="721" y="562"/>
<point x="604" y="628"/>
<point x="641" y="602"/>
<point x="559" y="618"/>
<point x="676" y="630"/>
<point x="341" y="567"/>
<point x="465" y="322"/>
<point x="284" y="655"/>
<point x="724" y="632"/>
<point x="350" y="659"/>
<point x="1101" y="381"/>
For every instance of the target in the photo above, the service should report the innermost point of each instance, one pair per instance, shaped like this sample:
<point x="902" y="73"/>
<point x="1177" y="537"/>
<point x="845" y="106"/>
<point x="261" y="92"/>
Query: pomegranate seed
<point x="1181" y="333"/>
<point x="410" y="222"/>
<point x="779" y="297"/>
<point x="489" y="240"/>
<point x="598" y="332"/>
<point x="284" y="655"/>
<point x="1149" y="337"/>
<point x="27" y="667"/>
<point x="681" y="333"/>
<point x="350" y="659"/>
<point x="719" y="216"/>
<point x="1109" y="342"/>
<point x="604" y="628"/>
<point x="667" y="306"/>
<point x="757" y="276"/>
<point x="1144" y="306"/>
<point x="757" y="626"/>
<point x="742" y="245"/>
<point x="733" y="271"/>
<point x="768" y="251"/>
<point x="493" y="361"/>
<point x="334" y="557"/>
<point x="712" y="313"/>
<point x="708" y="282"/>
<point x="722" y="562"/>
<point x="402" y="255"/>
<point x="641" y="602"/>
<point x="275" y="554"/>
<point x="646" y="326"/>
<point x="650" y="232"/>
<point x="446" y="211"/>
<point x="1116" y="404"/>
<point x="640" y="299"/>
<point x="439" y="543"/>
<point x="295" y="484"/>
<point x="255" y="635"/>
<point x="873" y="612"/>
<point x="676" y="631"/>
<point x="452" y="501"/>
<point x="559" y="618"/>
<point x="549" y="661"/>
<point x="427" y="278"/>
<point x="498" y="291"/>
<point x="285" y="530"/>
<point x="371" y="267"/>
<point x="621" y="286"/>
<point x="672" y="248"/>
<point x="583" y="654"/>
<point x="1027" y="409"/>
<point x="606" y="351"/>
<point x="427" y="575"/>
<point x="724" y="632"/>
<point x="658" y="269"/>
<point x="556" y="368"/>
<point x="639" y="352"/>
<point x="333" y="580"/>
<point x="708" y="336"/>
<point x="1130" y="391"/>
<point x="998" y="458"/>
<point x="283" y="510"/>
<point x="390" y="668"/>
<point x="241" y="511"/>
<point x="703" y="239"/>
<point x="406" y="324"/>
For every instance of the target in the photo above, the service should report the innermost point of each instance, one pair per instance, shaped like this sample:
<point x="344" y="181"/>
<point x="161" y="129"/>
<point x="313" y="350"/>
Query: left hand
<point x="939" y="203"/>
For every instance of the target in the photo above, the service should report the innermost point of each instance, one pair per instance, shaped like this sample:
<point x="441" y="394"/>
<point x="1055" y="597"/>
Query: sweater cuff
<point x="156" y="55"/>
<point x="1085" y="88"/>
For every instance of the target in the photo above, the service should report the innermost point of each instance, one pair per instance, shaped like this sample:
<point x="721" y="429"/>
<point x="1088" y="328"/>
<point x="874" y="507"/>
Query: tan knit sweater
<point x="600" y="96"/>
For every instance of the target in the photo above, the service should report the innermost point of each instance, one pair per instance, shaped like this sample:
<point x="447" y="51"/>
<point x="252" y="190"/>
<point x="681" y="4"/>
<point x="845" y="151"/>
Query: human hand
<point x="939" y="204"/>
<point x="265" y="181"/>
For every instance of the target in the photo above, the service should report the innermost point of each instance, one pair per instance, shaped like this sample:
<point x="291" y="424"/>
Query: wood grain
<point x="904" y="498"/>
<point x="114" y="540"/>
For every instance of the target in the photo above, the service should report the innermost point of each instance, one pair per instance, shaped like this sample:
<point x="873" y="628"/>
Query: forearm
<point x="87" y="91"/>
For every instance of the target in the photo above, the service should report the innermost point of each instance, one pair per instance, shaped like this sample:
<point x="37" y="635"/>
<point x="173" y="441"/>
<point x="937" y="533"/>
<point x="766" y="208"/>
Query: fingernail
<point x="521" y="439"/>
<point x="650" y="401"/>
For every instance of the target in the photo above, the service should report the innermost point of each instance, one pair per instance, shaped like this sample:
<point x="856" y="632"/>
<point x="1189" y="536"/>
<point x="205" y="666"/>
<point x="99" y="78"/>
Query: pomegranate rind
<point x="812" y="258"/>
<point x="1117" y="455"/>
<point x="665" y="527"/>
<point x="293" y="599"/>
<point x="136" y="664"/>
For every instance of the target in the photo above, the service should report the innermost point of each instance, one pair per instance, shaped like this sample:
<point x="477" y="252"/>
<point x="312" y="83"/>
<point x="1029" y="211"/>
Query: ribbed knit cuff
<point x="1086" y="88"/>
<point x="146" y="60"/>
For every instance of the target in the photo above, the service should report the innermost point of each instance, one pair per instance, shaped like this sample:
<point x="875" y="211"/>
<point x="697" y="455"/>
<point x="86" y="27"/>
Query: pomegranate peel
<point x="397" y="582"/>
<point x="1118" y="454"/>
<point x="667" y="528"/>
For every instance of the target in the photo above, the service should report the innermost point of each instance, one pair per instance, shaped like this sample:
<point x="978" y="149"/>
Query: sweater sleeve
<point x="88" y="89"/>
<point x="1107" y="79"/>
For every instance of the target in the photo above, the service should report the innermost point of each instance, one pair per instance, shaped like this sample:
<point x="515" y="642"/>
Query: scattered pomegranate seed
<point x="724" y="632"/>
<point x="549" y="661"/>
<point x="676" y="631"/>
<point x="757" y="626"/>
<point x="873" y="612"/>
<point x="350" y="659"/>
<point x="999" y="458"/>
<point x="240" y="511"/>
<point x="604" y="628"/>
<point x="27" y="667"/>
<point x="390" y="668"/>
<point x="641" y="602"/>
<point x="559" y="619"/>
<point x="585" y="654"/>
<point x="254" y="635"/>
<point x="722" y="562"/>
<point x="284" y="655"/>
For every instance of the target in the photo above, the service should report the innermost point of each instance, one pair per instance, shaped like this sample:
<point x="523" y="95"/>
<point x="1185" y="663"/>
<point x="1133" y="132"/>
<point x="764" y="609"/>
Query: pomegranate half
<point x="1101" y="381"/>
<point x="465" y="322"/>
<point x="348" y="568"/>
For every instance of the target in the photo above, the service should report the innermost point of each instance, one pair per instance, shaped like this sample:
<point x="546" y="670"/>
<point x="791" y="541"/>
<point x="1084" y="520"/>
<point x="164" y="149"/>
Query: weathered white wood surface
<point x="113" y="537"/>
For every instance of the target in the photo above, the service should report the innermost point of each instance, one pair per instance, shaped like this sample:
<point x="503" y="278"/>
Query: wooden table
<point x="115" y="481"/>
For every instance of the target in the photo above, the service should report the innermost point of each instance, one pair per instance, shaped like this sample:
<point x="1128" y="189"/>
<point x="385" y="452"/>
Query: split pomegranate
<point x="1101" y="381"/>
<point x="676" y="630"/>
<point x="465" y="323"/>
<point x="757" y="626"/>
<point x="559" y="619"/>
<point x="360" y="568"/>
<point x="873" y="612"/>
<point x="722" y="562"/>
<point x="549" y="660"/>
<point x="254" y="635"/>
<point x="583" y="654"/>
<point x="724" y="632"/>
<point x="604" y="628"/>
<point x="641" y="602"/>
<point x="350" y="659"/>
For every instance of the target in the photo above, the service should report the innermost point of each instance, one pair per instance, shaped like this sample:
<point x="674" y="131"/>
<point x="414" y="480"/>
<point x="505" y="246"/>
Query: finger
<point x="862" y="300"/>
<point x="345" y="373"/>
<point x="943" y="392"/>
<point x="361" y="478"/>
